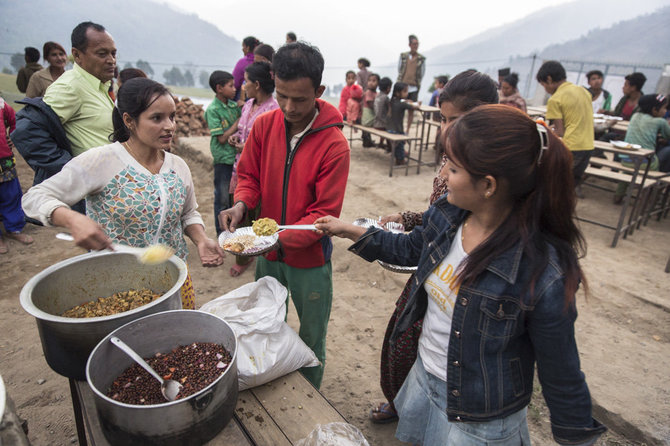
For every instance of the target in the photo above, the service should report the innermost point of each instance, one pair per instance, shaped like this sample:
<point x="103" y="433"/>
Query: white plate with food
<point x="625" y="145"/>
<point x="392" y="227"/>
<point x="244" y="242"/>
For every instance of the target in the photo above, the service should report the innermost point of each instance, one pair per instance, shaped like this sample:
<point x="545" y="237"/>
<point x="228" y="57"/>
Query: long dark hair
<point x="469" y="89"/>
<point x="134" y="97"/>
<point x="505" y="143"/>
<point x="261" y="72"/>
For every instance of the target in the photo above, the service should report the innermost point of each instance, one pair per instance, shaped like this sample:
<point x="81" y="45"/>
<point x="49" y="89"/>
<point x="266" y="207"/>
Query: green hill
<point x="141" y="29"/>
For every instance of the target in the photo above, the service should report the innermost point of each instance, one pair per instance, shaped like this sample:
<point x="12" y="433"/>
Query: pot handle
<point x="200" y="403"/>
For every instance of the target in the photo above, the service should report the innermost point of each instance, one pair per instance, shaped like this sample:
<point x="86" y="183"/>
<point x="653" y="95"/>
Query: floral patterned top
<point x="134" y="206"/>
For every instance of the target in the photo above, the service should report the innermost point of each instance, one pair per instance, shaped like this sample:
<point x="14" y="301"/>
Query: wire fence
<point x="526" y="67"/>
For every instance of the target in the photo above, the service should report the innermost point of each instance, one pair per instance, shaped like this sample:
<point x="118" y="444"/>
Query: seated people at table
<point x="632" y="92"/>
<point x="314" y="177"/>
<point x="463" y="93"/>
<point x="56" y="56"/>
<point x="498" y="270"/>
<point x="645" y="128"/>
<point x="368" y="116"/>
<point x="383" y="104"/>
<point x="509" y="93"/>
<point x="128" y="183"/>
<point x="570" y="113"/>
<point x="601" y="99"/>
<point x="399" y="103"/>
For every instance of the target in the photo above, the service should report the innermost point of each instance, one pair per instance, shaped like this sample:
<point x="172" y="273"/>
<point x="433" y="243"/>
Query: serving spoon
<point x="169" y="387"/>
<point x="151" y="255"/>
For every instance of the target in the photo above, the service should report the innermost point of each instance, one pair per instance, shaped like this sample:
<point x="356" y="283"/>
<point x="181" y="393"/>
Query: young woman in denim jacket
<point x="497" y="275"/>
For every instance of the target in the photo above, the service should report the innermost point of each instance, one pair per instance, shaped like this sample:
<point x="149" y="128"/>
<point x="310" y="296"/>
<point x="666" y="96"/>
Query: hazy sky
<point x="363" y="28"/>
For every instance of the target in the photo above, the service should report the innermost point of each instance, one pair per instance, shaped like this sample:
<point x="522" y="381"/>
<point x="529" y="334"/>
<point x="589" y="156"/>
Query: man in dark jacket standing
<point x="296" y="163"/>
<point x="411" y="68"/>
<point x="32" y="57"/>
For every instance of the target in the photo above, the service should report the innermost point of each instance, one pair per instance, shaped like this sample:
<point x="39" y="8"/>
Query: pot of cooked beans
<point x="79" y="301"/>
<point x="194" y="348"/>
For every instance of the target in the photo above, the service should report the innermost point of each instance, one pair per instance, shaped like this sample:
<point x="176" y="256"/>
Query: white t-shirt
<point x="598" y="102"/>
<point x="442" y="290"/>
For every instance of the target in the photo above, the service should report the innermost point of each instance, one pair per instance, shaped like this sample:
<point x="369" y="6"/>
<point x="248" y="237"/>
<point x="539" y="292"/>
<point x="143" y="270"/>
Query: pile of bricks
<point x="190" y="119"/>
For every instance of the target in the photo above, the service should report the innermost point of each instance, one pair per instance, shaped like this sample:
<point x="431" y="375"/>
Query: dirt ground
<point x="623" y="328"/>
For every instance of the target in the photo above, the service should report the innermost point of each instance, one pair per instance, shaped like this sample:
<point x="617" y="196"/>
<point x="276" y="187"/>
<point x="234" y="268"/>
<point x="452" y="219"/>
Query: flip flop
<point x="383" y="414"/>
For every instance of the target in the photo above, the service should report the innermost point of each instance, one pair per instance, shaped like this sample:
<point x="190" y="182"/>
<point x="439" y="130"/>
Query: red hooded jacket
<point x="299" y="186"/>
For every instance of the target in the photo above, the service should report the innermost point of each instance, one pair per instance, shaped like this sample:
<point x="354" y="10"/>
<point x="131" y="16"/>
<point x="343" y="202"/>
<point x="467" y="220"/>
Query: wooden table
<point x="638" y="157"/>
<point x="275" y="414"/>
<point x="536" y="111"/>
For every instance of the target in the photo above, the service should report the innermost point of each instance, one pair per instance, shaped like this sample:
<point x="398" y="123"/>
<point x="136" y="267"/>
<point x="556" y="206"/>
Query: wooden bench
<point x="393" y="138"/>
<point x="279" y="413"/>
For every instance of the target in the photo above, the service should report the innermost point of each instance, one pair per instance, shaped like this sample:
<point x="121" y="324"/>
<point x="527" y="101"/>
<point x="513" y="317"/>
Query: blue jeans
<point x="222" y="175"/>
<point x="399" y="148"/>
<point x="422" y="404"/>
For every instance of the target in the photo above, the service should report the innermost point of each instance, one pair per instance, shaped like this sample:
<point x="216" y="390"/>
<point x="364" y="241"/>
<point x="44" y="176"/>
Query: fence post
<point x="530" y="76"/>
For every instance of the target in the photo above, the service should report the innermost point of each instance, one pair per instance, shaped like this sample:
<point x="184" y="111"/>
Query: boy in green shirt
<point x="222" y="116"/>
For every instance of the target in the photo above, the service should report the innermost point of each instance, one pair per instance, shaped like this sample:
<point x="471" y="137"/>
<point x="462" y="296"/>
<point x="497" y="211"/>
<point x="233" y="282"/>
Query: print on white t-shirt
<point x="442" y="290"/>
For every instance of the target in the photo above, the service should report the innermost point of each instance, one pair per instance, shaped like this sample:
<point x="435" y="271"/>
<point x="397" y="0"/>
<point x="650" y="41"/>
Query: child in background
<point x="400" y="103"/>
<point x="368" y="117"/>
<point x="346" y="93"/>
<point x="13" y="217"/>
<point x="382" y="106"/>
<point x="354" y="106"/>
<point x="440" y="82"/>
<point x="644" y="129"/>
<point x="363" y="73"/>
<point x="222" y="116"/>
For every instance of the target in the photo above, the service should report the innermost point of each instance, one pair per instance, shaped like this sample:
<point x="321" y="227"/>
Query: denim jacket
<point x="498" y="333"/>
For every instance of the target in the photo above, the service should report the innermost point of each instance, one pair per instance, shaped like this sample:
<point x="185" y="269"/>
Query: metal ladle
<point x="169" y="387"/>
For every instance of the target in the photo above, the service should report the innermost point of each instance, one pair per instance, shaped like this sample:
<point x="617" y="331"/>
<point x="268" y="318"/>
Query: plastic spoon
<point x="169" y="387"/>
<point x="152" y="255"/>
<point x="296" y="227"/>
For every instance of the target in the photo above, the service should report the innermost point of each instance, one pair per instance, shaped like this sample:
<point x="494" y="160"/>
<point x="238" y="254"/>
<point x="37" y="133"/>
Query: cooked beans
<point x="195" y="366"/>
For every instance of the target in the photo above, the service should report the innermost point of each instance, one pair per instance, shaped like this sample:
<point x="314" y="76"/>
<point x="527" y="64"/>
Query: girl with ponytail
<point x="137" y="193"/>
<point x="496" y="281"/>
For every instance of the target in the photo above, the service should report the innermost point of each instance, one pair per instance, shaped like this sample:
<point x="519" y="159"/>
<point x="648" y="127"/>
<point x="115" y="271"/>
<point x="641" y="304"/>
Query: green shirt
<point x="220" y="117"/>
<point x="644" y="129"/>
<point x="84" y="107"/>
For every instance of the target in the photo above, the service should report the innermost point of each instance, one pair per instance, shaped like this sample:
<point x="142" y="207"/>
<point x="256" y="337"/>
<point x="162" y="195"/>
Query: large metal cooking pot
<point x="67" y="342"/>
<point x="193" y="420"/>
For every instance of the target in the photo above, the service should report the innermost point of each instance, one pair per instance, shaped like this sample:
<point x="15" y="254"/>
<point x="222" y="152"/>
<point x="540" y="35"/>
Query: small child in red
<point x="354" y="105"/>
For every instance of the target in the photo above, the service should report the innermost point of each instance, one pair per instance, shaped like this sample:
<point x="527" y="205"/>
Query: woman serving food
<point x="136" y="193"/>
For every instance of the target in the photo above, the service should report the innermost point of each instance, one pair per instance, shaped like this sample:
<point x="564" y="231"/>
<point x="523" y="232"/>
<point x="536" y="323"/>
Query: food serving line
<point x="97" y="352"/>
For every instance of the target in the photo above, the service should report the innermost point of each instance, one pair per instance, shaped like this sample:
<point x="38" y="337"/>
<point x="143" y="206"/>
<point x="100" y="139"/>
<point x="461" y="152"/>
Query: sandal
<point x="236" y="269"/>
<point x="383" y="414"/>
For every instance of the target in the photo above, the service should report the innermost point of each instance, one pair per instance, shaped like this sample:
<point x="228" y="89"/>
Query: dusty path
<point x="623" y="328"/>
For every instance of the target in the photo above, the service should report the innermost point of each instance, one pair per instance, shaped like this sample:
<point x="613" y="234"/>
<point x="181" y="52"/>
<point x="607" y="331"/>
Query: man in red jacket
<point x="296" y="163"/>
